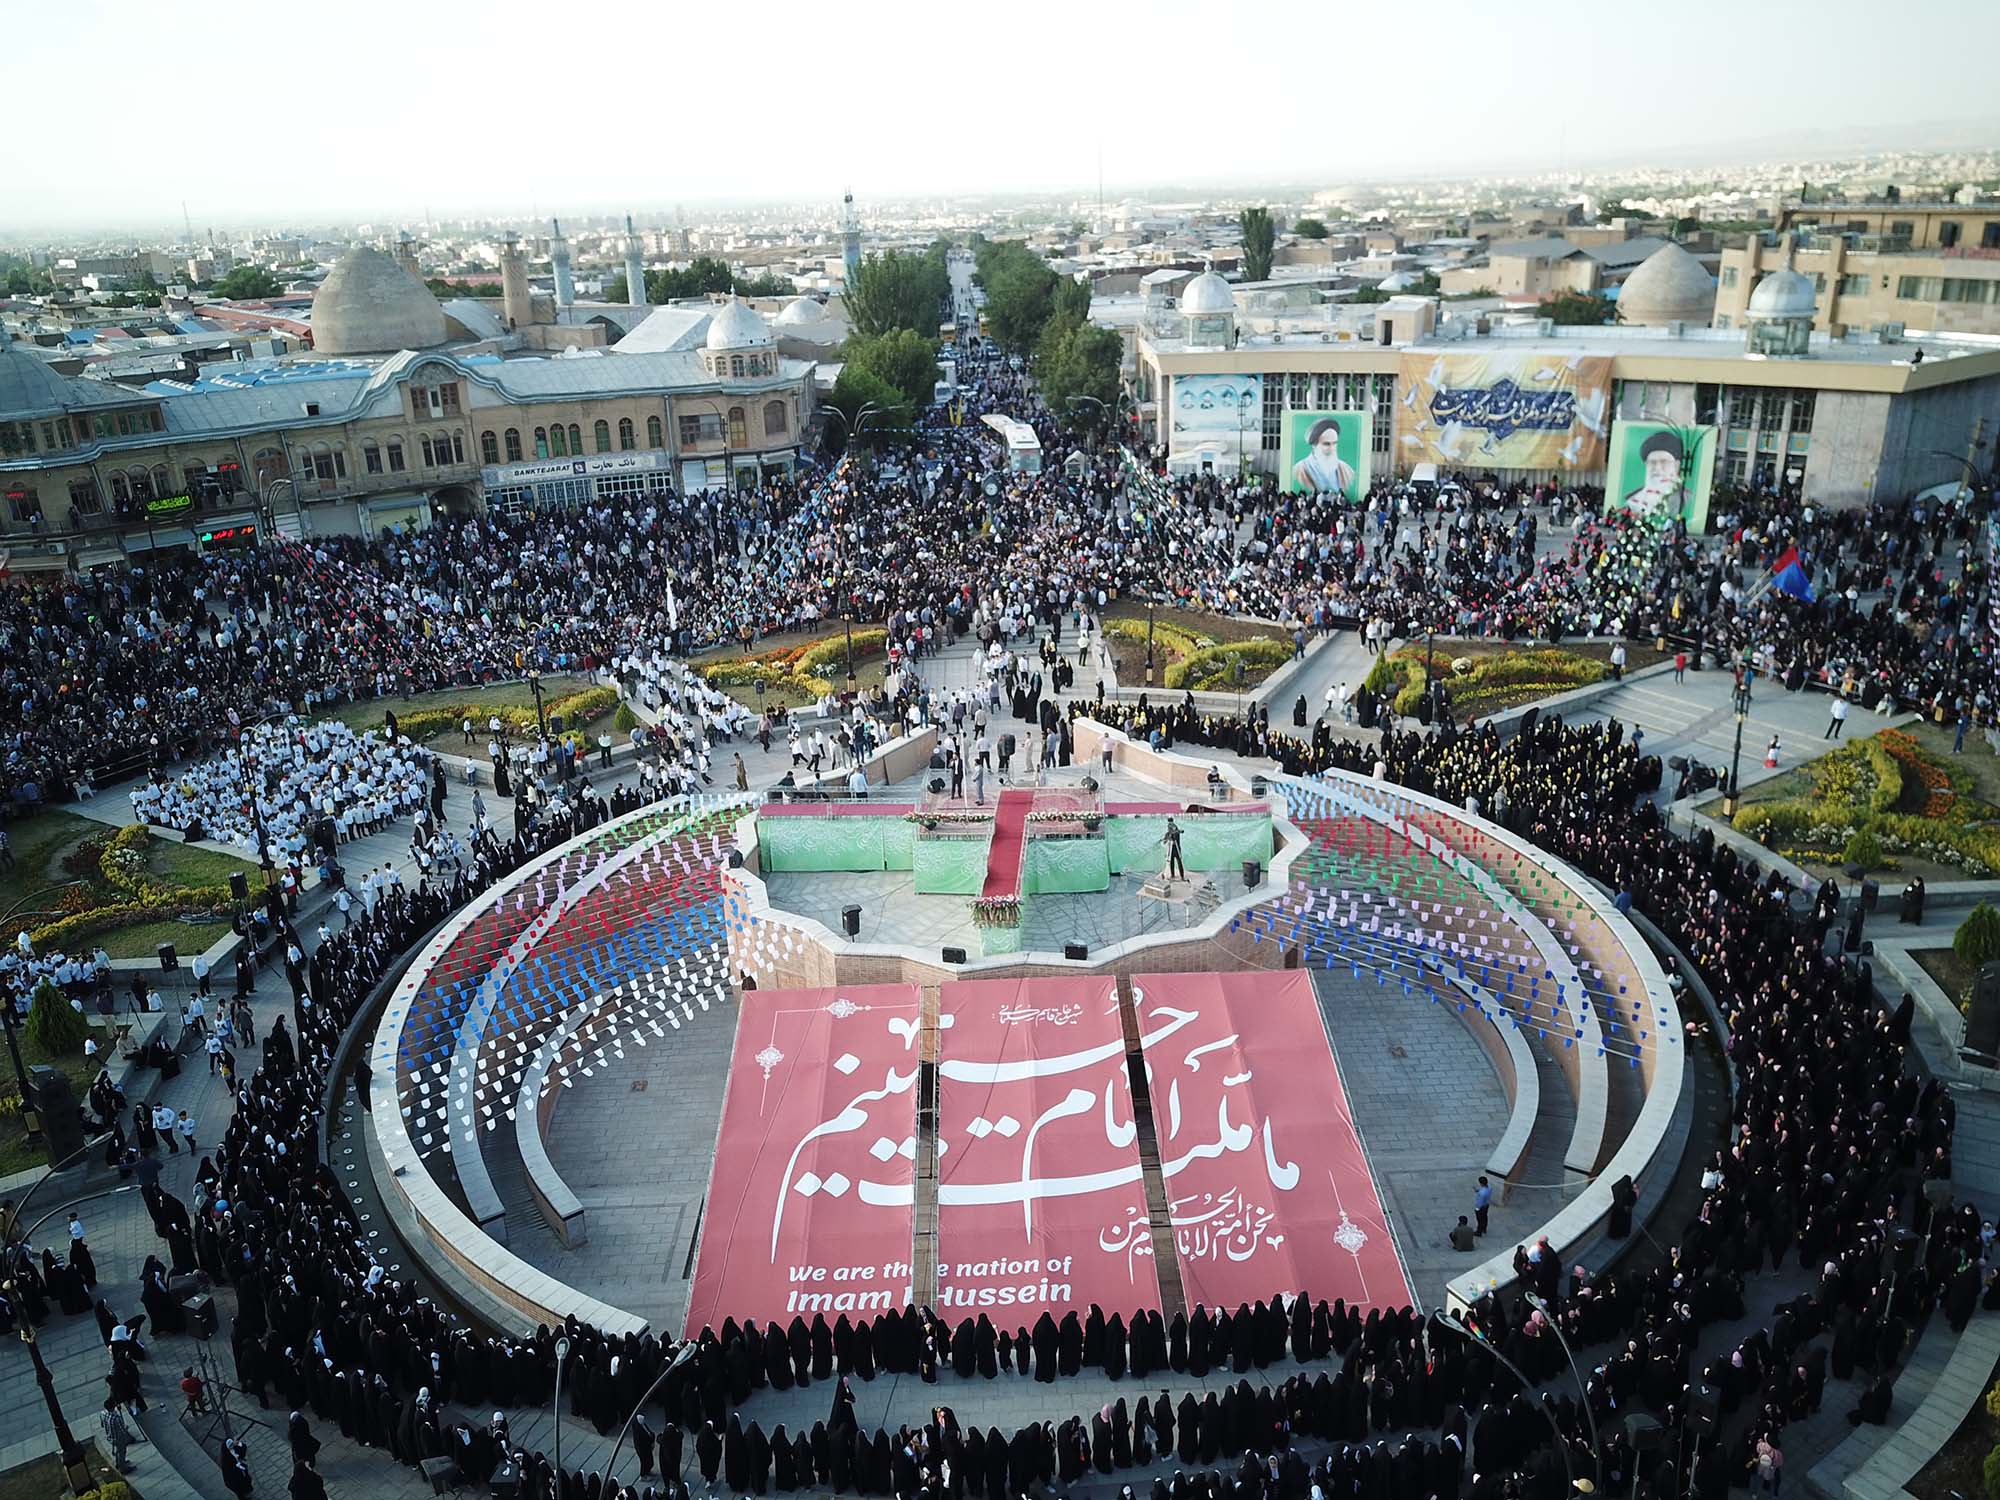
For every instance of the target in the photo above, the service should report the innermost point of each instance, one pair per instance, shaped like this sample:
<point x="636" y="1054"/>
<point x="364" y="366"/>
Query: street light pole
<point x="75" y="1465"/>
<point x="541" y="719"/>
<point x="562" y="1353"/>
<point x="685" y="1353"/>
<point x="1149" y="643"/>
<point x="1573" y="1485"/>
<point x="1742" y="707"/>
<point x="1582" y="1390"/>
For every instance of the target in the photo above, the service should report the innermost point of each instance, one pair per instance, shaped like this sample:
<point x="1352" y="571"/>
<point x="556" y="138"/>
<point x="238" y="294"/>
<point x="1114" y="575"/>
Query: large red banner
<point x="811" y="1199"/>
<point x="1268" y="1188"/>
<point x="1041" y="1205"/>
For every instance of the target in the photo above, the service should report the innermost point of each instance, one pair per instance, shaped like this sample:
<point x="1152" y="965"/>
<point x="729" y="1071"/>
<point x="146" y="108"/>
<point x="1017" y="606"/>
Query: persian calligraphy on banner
<point x="1268" y="1189"/>
<point x="811" y="1198"/>
<point x="1504" y="410"/>
<point x="1041" y="1204"/>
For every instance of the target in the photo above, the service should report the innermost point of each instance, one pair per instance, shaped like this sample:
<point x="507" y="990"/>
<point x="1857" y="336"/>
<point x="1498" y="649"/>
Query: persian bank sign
<point x="573" y="468"/>
<point x="1527" y="410"/>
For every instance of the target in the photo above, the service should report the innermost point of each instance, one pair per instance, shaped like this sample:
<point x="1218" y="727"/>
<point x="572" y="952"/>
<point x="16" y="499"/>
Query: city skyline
<point x="984" y="111"/>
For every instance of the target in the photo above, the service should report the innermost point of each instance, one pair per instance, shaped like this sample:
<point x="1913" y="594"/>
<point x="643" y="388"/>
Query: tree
<point x="441" y="288"/>
<point x="1576" y="309"/>
<point x="857" y="388"/>
<point x="895" y="290"/>
<point x="1977" y="940"/>
<point x="1077" y="359"/>
<point x="18" y="281"/>
<point x="764" y="284"/>
<point x="54" y="1025"/>
<point x="247" y="283"/>
<point x="1309" y="229"/>
<point x="1069" y="301"/>
<point x="1259" y="234"/>
<point x="902" y="359"/>
<point x="1020" y="292"/>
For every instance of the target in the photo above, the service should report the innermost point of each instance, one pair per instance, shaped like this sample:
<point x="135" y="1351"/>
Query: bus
<point x="1015" y="445"/>
<point x="947" y="333"/>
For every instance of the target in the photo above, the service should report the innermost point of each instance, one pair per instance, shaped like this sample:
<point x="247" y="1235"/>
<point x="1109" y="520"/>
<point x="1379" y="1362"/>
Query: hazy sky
<point x="257" y="113"/>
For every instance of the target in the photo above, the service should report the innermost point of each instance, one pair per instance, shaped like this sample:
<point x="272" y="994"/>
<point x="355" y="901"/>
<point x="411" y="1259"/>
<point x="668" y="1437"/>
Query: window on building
<point x="575" y="440"/>
<point x="396" y="465"/>
<point x="774" y="419"/>
<point x="449" y="395"/>
<point x="49" y="436"/>
<point x="513" y="445"/>
<point x="1735" y="469"/>
<point x="121" y="492"/>
<point x="1854" y="286"/>
<point x="626" y="441"/>
<point x="1989" y="236"/>
<point x="739" y="428"/>
<point x="1706" y="400"/>
<point x="541" y="442"/>
<point x="199" y="481"/>
<point x="736" y="364"/>
<point x="1948" y="233"/>
<point x="600" y="434"/>
<point x="689" y="429"/>
<point x="430" y="458"/>
<point x="558" y="442"/>
<point x="1771" y="411"/>
<point x="1802" y="410"/>
<point x="489" y="447"/>
<point x="654" y="437"/>
<point x="1965" y="289"/>
<point x="1301" y="392"/>
<point x="1901" y="229"/>
<point x="1742" y="408"/>
<point x="142" y="484"/>
<point x="1384" y="408"/>
<point x="1819" y="283"/>
<point x="1728" y="277"/>
<point x="1271" y="421"/>
<point x="23" y="504"/>
<point x="1919" y="288"/>
<point x="371" y="457"/>
<point x="322" y="462"/>
<point x="458" y="447"/>
<point x="83" y="494"/>
<point x="163" y="482"/>
<point x="1323" y="389"/>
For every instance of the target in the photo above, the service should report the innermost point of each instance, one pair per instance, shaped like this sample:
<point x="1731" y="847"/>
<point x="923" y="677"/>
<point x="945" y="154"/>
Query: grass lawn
<point x="16" y="1155"/>
<point x="44" y="1477"/>
<point x="182" y="865"/>
<point x="368" y="715"/>
<point x="39" y="842"/>
<point x="1953" y="974"/>
<point x="143" y="940"/>
<point x="1956" y="1471"/>
<point x="1977" y="759"/>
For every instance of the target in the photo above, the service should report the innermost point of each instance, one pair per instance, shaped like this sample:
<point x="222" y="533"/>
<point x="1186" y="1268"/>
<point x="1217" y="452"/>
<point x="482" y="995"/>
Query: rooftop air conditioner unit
<point x="1892" y="333"/>
<point x="1676" y="329"/>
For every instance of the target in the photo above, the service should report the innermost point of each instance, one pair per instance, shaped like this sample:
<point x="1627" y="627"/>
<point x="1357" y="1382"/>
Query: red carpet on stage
<point x="1010" y="832"/>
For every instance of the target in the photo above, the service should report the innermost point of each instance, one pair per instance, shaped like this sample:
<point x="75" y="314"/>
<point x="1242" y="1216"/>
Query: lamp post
<point x="30" y="1116"/>
<point x="685" y="1353"/>
<point x="562" y="1353"/>
<point x="1574" y="1485"/>
<point x="75" y="1465"/>
<point x="1596" y="1449"/>
<point x="250" y="790"/>
<point x="1149" y="643"/>
<point x="541" y="718"/>
<point x="1741" y="704"/>
<point x="847" y="624"/>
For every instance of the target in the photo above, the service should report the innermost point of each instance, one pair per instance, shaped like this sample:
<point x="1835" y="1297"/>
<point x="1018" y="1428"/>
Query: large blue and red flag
<point x="1789" y="574"/>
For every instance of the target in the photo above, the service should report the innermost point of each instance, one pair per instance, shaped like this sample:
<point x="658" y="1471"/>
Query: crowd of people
<point x="1832" y="1137"/>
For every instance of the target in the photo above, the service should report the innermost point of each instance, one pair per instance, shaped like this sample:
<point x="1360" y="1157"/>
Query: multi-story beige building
<point x="1933" y="266"/>
<point x="93" y="472"/>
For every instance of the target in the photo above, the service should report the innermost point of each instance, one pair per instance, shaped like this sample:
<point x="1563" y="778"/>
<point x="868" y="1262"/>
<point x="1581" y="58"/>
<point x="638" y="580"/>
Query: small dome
<point x="1207" y="293"/>
<point x="1784" y="294"/>
<point x="370" y="305"/>
<point x="801" y="312"/>
<point x="738" y="326"/>
<point x="1669" y="286"/>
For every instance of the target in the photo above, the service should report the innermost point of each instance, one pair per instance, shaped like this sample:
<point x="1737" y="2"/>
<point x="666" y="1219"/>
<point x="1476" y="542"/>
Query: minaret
<point x="559" y="254"/>
<point x="406" y="254"/>
<point x="635" y="267"/>
<point x="514" y="299"/>
<point x="850" y="236"/>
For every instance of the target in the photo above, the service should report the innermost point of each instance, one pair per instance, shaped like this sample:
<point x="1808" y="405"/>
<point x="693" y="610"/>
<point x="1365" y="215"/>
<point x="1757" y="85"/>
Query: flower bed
<point x="996" y="911"/>
<point x="1859" y="789"/>
<point x="809" y="671"/>
<point x="1211" y="667"/>
<point x="1489" y="682"/>
<point x="575" y="708"/>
